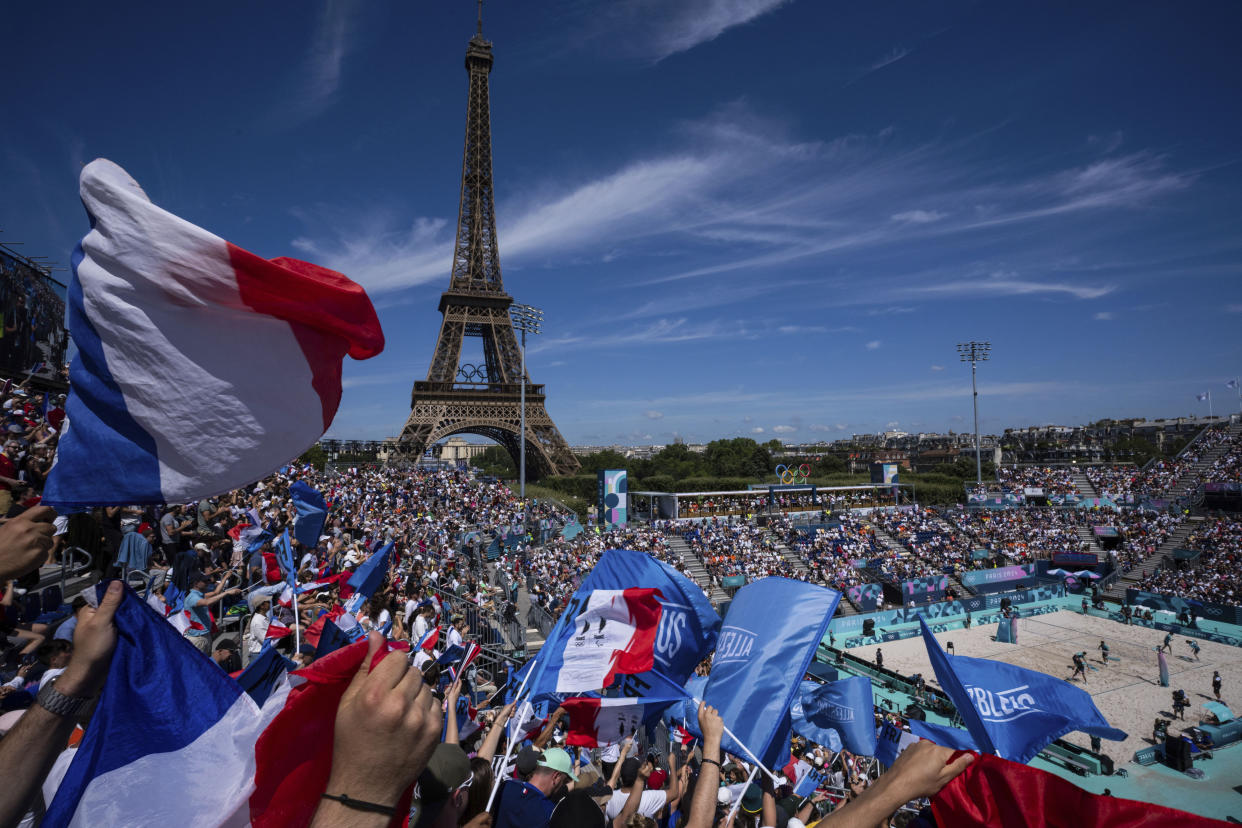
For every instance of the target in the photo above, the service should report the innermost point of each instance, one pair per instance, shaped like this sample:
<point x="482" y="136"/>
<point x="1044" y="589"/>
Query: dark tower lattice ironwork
<point x="483" y="399"/>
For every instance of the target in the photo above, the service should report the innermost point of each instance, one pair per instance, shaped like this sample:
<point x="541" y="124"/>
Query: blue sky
<point x="742" y="217"/>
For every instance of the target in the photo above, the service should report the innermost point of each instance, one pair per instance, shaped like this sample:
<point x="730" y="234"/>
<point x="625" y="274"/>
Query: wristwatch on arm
<point x="59" y="704"/>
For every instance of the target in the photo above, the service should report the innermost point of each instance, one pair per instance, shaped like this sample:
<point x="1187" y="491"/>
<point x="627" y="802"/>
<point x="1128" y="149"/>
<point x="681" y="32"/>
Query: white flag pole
<point x="737" y="803"/>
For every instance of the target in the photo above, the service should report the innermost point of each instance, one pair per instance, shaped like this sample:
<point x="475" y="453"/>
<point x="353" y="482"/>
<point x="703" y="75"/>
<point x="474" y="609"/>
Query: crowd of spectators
<point x="1023" y="534"/>
<point x="1129" y="482"/>
<point x="829" y="552"/>
<point x="1052" y="479"/>
<point x="937" y="546"/>
<point x="1214" y="574"/>
<point x="732" y="549"/>
<point x="1228" y="467"/>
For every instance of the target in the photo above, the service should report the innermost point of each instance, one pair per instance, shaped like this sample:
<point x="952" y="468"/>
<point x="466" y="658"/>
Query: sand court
<point x="1126" y="689"/>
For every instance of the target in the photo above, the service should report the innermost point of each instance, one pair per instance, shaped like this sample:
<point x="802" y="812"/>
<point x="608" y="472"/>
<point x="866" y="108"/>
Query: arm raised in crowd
<point x="703" y="806"/>
<point x="546" y="735"/>
<point x="616" y="768"/>
<point x="635" y="798"/>
<point x="387" y="725"/>
<point x="29" y="750"/>
<point x="921" y="770"/>
<point x="491" y="741"/>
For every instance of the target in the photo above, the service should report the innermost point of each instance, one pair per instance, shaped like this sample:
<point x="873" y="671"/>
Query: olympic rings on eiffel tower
<point x="790" y="476"/>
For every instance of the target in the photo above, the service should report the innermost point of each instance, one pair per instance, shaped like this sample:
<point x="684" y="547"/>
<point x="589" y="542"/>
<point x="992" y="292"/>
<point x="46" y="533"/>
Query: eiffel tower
<point x="483" y="399"/>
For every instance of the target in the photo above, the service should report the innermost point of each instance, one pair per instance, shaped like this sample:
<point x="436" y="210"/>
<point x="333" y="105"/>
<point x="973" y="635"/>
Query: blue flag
<point x="331" y="639"/>
<point x="688" y="624"/>
<point x="808" y="784"/>
<point x="767" y="640"/>
<point x="891" y="741"/>
<point x="368" y="577"/>
<point x="842" y="710"/>
<point x="312" y="512"/>
<point x="263" y="673"/>
<point x="284" y="555"/>
<point x="1011" y="711"/>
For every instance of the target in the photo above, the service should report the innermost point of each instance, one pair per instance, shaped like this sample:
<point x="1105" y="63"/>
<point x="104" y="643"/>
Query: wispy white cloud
<point x="653" y="415"/>
<point x="660" y="332"/>
<point x="937" y="367"/>
<point x="740" y="197"/>
<point x="889" y="58"/>
<point x="819" y="427"/>
<point x="1104" y="316"/>
<point x="873" y="345"/>
<point x="784" y="429"/>
<point x="757" y="430"/>
<point x="656" y="29"/>
<point x="1009" y="284"/>
<point x="919" y="216"/>
<point x="319" y="78"/>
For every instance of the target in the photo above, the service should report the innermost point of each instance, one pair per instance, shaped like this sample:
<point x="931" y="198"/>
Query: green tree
<point x="495" y="460"/>
<point x="739" y="457"/>
<point x="315" y="456"/>
<point x="606" y="459"/>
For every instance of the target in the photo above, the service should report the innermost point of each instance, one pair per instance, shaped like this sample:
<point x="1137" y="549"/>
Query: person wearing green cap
<point x="530" y="804"/>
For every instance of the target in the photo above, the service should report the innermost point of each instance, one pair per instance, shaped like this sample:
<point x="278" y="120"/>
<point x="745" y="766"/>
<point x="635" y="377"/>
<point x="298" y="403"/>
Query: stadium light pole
<point x="974" y="353"/>
<point x="527" y="319"/>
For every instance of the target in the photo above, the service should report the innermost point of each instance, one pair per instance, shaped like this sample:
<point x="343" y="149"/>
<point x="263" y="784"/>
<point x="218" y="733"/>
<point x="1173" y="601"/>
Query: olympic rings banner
<point x="793" y="475"/>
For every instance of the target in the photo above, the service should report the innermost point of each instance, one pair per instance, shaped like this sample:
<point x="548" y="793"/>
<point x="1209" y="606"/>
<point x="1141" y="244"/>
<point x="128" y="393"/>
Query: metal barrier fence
<point x="485" y="628"/>
<point x="540" y="619"/>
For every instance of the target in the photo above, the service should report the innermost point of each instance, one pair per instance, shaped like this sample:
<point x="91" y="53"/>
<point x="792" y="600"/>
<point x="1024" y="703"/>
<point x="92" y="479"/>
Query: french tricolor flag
<point x="169" y="720"/>
<point x="596" y="722"/>
<point x="201" y="367"/>
<point x="277" y="629"/>
<point x="614" y="634"/>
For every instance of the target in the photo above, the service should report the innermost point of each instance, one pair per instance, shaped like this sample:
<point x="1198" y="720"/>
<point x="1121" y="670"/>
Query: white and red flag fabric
<point x="201" y="367"/>
<point x="596" y="722"/>
<point x="613" y="634"/>
<point x="168" y="718"/>
<point x="277" y="629"/>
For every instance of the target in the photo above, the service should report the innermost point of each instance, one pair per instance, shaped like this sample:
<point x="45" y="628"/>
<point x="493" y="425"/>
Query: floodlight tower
<point x="974" y="353"/>
<point x="526" y="319"/>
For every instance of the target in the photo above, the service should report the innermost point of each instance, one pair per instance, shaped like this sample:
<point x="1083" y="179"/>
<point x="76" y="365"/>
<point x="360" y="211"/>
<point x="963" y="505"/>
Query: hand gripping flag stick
<point x="745" y="749"/>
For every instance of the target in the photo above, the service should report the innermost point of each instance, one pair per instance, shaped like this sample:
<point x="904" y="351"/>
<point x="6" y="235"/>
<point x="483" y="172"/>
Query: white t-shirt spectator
<point x="650" y="805"/>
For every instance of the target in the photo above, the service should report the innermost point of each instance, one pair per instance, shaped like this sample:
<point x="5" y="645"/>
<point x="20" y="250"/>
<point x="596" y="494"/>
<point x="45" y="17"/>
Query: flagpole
<point x="737" y="803"/>
<point x="297" y="619"/>
<point x="745" y="749"/>
<point x="517" y="699"/>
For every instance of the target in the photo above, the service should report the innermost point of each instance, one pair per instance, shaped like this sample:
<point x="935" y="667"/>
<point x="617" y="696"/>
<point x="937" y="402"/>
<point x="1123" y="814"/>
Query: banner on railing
<point x="730" y="581"/>
<point x="1075" y="559"/>
<point x="999" y="578"/>
<point x="1175" y="604"/>
<point x="972" y="604"/>
<point x="866" y="596"/>
<point x="922" y="590"/>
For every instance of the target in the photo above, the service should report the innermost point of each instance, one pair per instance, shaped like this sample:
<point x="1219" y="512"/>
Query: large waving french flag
<point x="201" y="367"/>
<point x="176" y="741"/>
<point x="613" y="634"/>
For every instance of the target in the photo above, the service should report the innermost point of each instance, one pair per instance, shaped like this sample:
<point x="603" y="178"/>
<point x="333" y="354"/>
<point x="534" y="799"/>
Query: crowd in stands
<point x="935" y="544"/>
<point x="1228" y="467"/>
<point x="732" y="549"/>
<point x="829" y="551"/>
<point x="1052" y="479"/>
<point x="1020" y="534"/>
<point x="1214" y="574"/>
<point x="1128" y="482"/>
